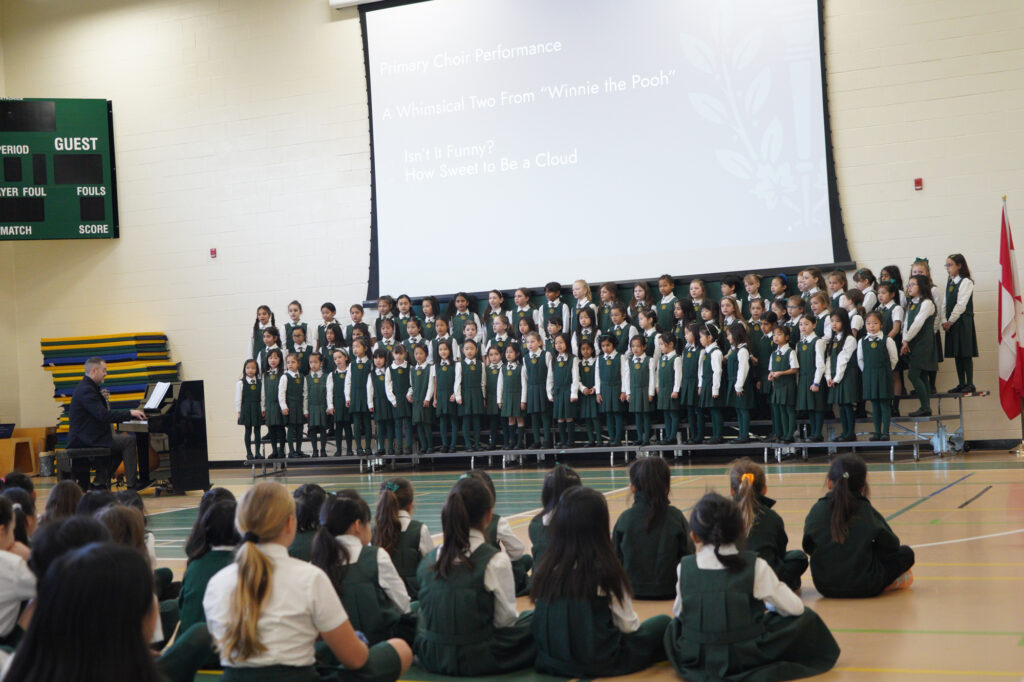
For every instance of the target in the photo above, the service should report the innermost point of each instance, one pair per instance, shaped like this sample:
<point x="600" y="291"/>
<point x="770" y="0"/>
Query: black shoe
<point x="923" y="412"/>
<point x="959" y="388"/>
<point x="969" y="388"/>
<point x="816" y="439"/>
<point x="875" y="437"/>
<point x="715" y="441"/>
<point x="248" y="456"/>
<point x="885" y="436"/>
<point x="740" y="441"/>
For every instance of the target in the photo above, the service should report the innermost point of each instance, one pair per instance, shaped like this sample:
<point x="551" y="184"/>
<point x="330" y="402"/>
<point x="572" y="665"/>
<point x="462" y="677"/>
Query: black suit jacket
<point x="91" y="417"/>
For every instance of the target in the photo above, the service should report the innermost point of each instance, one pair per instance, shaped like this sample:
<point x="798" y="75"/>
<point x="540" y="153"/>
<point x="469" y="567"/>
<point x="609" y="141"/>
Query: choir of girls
<point x="576" y="371"/>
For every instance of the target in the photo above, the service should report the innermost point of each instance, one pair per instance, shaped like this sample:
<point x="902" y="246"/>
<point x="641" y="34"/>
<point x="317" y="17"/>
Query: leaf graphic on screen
<point x="747" y="49"/>
<point x="698" y="52"/>
<point x="757" y="93"/>
<point x="735" y="163"/>
<point x="721" y="21"/>
<point x="709" y="107"/>
<point x="771" y="141"/>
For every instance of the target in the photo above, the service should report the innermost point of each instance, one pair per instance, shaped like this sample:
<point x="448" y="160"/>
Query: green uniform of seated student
<point x="584" y="622"/>
<point x="468" y="619"/>
<point x="722" y="629"/>
<point x="267" y="610"/>
<point x="309" y="497"/>
<point x="556" y="482"/>
<point x="766" y="533"/>
<point x="651" y="536"/>
<point x="853" y="551"/>
<point x="216" y="539"/>
<point x="499" y="534"/>
<point x="370" y="588"/>
<point x="396" y="532"/>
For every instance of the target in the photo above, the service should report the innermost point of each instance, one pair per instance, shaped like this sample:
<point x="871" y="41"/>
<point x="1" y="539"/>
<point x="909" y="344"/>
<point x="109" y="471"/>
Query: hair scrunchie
<point x="251" y="537"/>
<point x="748" y="478"/>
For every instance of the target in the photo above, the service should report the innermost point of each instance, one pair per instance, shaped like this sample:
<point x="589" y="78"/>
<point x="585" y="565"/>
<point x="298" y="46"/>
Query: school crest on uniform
<point x="419" y="372"/>
<point x="636" y="366"/>
<point x="689" y="353"/>
<point x="400" y="370"/>
<point x="803" y="347"/>
<point x="561" y="363"/>
<point x="874" y="344"/>
<point x="608" y="362"/>
<point x="586" y="369"/>
<point x="494" y="371"/>
<point x="444" y="368"/>
<point x="316" y="380"/>
<point x="951" y="287"/>
<point x="252" y="387"/>
<point x="618" y="332"/>
<point x="533" y="360"/>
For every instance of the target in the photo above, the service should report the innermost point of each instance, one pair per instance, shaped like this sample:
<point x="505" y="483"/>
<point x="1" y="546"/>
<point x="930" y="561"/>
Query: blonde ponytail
<point x="263" y="512"/>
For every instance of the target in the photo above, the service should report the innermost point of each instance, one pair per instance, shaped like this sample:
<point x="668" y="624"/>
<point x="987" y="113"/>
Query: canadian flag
<point x="1011" y="325"/>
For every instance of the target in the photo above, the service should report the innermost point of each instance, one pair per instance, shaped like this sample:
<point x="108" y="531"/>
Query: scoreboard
<point x="58" y="169"/>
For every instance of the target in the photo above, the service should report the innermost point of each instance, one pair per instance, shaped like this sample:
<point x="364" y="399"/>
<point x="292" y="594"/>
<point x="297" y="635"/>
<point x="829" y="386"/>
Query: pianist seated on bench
<point x="91" y="418"/>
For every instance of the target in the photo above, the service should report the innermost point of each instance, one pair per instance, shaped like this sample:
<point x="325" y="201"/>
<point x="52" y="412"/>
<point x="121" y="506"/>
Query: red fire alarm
<point x="918" y="184"/>
<point x="213" y="253"/>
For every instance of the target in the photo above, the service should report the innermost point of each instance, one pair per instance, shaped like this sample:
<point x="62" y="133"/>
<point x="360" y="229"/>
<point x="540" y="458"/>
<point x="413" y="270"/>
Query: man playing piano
<point x="91" y="418"/>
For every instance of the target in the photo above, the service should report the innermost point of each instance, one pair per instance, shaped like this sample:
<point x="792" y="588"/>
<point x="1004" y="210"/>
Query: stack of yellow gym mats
<point x="134" y="360"/>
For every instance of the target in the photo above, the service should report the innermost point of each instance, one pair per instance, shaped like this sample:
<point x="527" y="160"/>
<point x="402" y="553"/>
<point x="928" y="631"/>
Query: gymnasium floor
<point x="963" y="619"/>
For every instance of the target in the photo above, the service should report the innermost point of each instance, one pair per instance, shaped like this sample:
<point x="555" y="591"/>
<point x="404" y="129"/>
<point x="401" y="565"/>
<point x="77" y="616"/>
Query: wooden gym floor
<point x="964" y="516"/>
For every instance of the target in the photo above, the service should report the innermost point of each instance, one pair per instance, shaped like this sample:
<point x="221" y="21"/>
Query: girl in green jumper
<point x="739" y="389"/>
<point x="405" y="539"/>
<point x="362" y="574"/>
<point x="853" y="551"/>
<point x="765" y="530"/>
<point x="958" y="321"/>
<point x="609" y="295"/>
<point x="722" y="630"/>
<point x="400" y="373"/>
<point x="430" y="309"/>
<point x="301" y="349"/>
<point x="610" y="396"/>
<point x="670" y="379"/>
<point x="468" y="619"/>
<point x="424" y="380"/>
<point x="782" y="375"/>
<point x="272" y="404"/>
<point x="470" y="384"/>
<point x="264" y="320"/>
<point x="336" y="403"/>
<point x="492" y="395"/>
<point x="919" y="340"/>
<point x="585" y="624"/>
<point x="316" y="405"/>
<point x="539" y="394"/>
<point x="810" y="394"/>
<point x="415" y="330"/>
<point x="292" y="394"/>
<point x="639" y="382"/>
<point x="499" y="534"/>
<point x="876" y="357"/>
<point x="565" y="381"/>
<point x="688" y="388"/>
<point x="842" y="373"/>
<point x="459" y="314"/>
<point x="271" y="342"/>
<point x="355" y="395"/>
<point x="214" y="549"/>
<point x="513" y="396"/>
<point x="621" y="330"/>
<point x="445" y="370"/>
<point x="651" y="536"/>
<point x="443" y="336"/>
<point x="380" y="396"/>
<point x="709" y="384"/>
<point x="556" y="482"/>
<point x="309" y="497"/>
<point x="334" y="340"/>
<point x="248" y="400"/>
<point x="587" y="407"/>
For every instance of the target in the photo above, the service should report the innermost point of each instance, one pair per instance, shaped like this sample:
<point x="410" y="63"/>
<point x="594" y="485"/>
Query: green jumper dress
<point x="806" y="399"/>
<point x="327" y="362"/>
<point x="961" y="338"/>
<point x="610" y="372"/>
<point x="429" y="330"/>
<point x="706" y="400"/>
<point x="458" y="325"/>
<point x="400" y="384"/>
<point x="846" y="393"/>
<point x="688" y="392"/>
<point x="472" y="392"/>
<point x="732" y="373"/>
<point x="783" y="395"/>
<point x="274" y="418"/>
<point x="869" y="559"/>
<point x="250" y="412"/>
<point x="456" y="634"/>
<point x="640" y="404"/>
<point x="289" y="328"/>
<point x="621" y="336"/>
<point x="316" y="400"/>
<point x="420" y="384"/>
<point x="360" y="374"/>
<point x="579" y="638"/>
<point x="520" y="567"/>
<point x="406" y="557"/>
<point x="561" y="372"/>
<point x="921" y="360"/>
<point x="491" y="408"/>
<point x="724" y="633"/>
<point x="549" y="311"/>
<point x="489" y="321"/>
<point x="538" y="537"/>
<point x="445" y="388"/>
<point x="536" y="383"/>
<point x="341" y="411"/>
<point x="767" y="538"/>
<point x="302" y="545"/>
<point x="368" y="606"/>
<point x="650" y="555"/>
<point x="604" y="318"/>
<point x="303" y="358"/>
<point x="666" y="313"/>
<point x="586" y="405"/>
<point x="193" y="586"/>
<point x="293" y="399"/>
<point x="669" y="406"/>
<point x="512" y="396"/>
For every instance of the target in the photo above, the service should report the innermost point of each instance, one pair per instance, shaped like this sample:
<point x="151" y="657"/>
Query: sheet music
<point x="157" y="396"/>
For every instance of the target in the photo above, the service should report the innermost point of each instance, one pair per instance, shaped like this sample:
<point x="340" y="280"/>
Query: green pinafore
<point x="368" y="606"/>
<point x="400" y="384"/>
<point x="666" y="383"/>
<point x="445" y="385"/>
<point x="732" y="374"/>
<point x="491" y="398"/>
<point x="512" y="391"/>
<point x="610" y="371"/>
<point x="459" y="321"/>
<point x="586" y="406"/>
<point x="429" y="331"/>
<point x="406" y="557"/>
<point x="688" y="390"/>
<point x="561" y="371"/>
<point x="806" y="355"/>
<point x="961" y="339"/>
<point x="724" y="633"/>
<point x="341" y="411"/>
<point x="250" y="412"/>
<point x="420" y="384"/>
<point x="922" y="346"/>
<point x="621" y="336"/>
<point x="784" y="387"/>
<point x="271" y="380"/>
<point x="604" y="317"/>
<point x="707" y="372"/>
<point x="536" y="383"/>
<point x="472" y="393"/>
<point x="639" y="384"/>
<point x="382" y="408"/>
<point x="666" y="313"/>
<point x="456" y="635"/>
<point x="847" y="391"/>
<point x="316" y="399"/>
<point x="876" y="382"/>
<point x="293" y="398"/>
<point x="650" y="555"/>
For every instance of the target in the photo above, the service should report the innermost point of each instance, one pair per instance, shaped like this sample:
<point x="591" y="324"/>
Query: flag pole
<point x="1019" y="450"/>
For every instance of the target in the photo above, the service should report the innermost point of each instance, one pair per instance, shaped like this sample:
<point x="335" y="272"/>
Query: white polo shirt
<point x="301" y="604"/>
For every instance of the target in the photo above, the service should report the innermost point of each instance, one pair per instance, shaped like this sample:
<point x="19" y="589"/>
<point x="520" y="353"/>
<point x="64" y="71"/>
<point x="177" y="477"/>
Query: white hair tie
<point x="16" y="506"/>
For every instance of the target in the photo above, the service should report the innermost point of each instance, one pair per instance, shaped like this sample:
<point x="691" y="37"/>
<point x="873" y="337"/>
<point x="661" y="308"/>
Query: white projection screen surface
<point x="520" y="141"/>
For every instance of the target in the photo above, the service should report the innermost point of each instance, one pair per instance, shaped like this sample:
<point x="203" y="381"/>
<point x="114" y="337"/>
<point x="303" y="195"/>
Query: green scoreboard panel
<point x="58" y="169"/>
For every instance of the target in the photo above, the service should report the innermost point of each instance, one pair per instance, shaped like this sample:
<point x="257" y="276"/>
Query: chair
<point x="65" y="457"/>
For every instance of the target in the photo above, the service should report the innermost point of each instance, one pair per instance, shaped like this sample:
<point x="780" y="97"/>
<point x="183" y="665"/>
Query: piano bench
<point x="64" y="457"/>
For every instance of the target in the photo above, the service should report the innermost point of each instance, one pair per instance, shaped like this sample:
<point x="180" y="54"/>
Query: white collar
<point x="812" y="291"/>
<point x="267" y="349"/>
<point x="583" y="303"/>
<point x="742" y="345"/>
<point x="669" y="355"/>
<point x="874" y="337"/>
<point x="729" y="320"/>
<point x="753" y="297"/>
<point x="271" y="370"/>
<point x="423" y="366"/>
<point x="470" y="361"/>
<point x="444" y="363"/>
<point x="555" y="303"/>
<point x="396" y="365"/>
<point x="587" y="361"/>
<point x="301" y="347"/>
<point x="808" y="339"/>
<point x="523" y="308"/>
<point x="612" y="356"/>
<point x="916" y="299"/>
<point x="415" y="339"/>
<point x="325" y="323"/>
<point x="501" y="337"/>
<point x="668" y="299"/>
<point x="652" y="330"/>
<point x="823" y="313"/>
<point x="428" y="318"/>
<point x="338" y="370"/>
<point x="783" y="349"/>
<point x="389" y="316"/>
<point x="536" y="354"/>
<point x="495" y="311"/>
<point x="379" y="371"/>
<point x="622" y="325"/>
<point x="386" y="342"/>
<point x="956" y="280"/>
<point x="511" y="365"/>
<point x="251" y="380"/>
<point x="353" y="544"/>
<point x="562" y="357"/>
<point x="405" y="316"/>
<point x="443" y="337"/>
<point x="362" y="360"/>
<point x="462" y="313"/>
<point x="316" y="375"/>
<point x="291" y="373"/>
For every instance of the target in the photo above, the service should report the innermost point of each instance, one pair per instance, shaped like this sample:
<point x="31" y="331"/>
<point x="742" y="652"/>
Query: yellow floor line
<point x="923" y="671"/>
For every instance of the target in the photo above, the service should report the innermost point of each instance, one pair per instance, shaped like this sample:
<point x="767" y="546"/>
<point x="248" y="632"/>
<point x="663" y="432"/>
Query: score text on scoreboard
<point x="58" y="169"/>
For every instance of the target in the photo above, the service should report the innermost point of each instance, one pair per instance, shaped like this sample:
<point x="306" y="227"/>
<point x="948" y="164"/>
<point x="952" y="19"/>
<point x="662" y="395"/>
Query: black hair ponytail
<point x="337" y="515"/>
<point x="653" y="481"/>
<point x="466" y="506"/>
<point x="717" y="521"/>
<point x="848" y="475"/>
